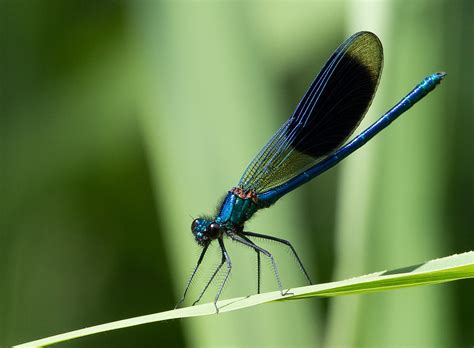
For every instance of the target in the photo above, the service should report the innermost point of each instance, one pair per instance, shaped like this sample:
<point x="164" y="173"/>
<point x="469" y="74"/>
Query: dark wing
<point x="326" y="116"/>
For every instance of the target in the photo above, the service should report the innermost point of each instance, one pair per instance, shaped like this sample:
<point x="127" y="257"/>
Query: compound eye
<point x="213" y="230"/>
<point x="194" y="224"/>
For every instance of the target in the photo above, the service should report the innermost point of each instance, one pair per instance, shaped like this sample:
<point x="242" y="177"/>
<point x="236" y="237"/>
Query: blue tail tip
<point x="441" y="74"/>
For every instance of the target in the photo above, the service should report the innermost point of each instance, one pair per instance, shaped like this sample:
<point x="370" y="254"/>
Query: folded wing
<point x="326" y="116"/>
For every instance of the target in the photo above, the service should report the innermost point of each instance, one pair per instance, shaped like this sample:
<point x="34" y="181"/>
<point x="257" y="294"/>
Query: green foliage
<point x="455" y="267"/>
<point x="119" y="119"/>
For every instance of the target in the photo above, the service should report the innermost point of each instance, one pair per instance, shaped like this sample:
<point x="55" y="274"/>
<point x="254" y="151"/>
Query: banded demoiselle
<point x="309" y="143"/>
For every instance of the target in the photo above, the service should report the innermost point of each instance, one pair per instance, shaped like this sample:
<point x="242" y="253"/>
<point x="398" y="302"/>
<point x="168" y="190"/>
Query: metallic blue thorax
<point x="236" y="209"/>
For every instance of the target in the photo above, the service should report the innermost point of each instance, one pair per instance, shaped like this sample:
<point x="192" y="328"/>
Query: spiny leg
<point x="287" y="243"/>
<point x="229" y="267"/>
<point x="211" y="279"/>
<point x="258" y="264"/>
<point x="259" y="279"/>
<point x="201" y="257"/>
<point x="239" y="239"/>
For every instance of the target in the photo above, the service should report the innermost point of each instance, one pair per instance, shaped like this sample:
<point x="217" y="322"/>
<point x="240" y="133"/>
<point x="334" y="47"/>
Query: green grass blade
<point x="455" y="267"/>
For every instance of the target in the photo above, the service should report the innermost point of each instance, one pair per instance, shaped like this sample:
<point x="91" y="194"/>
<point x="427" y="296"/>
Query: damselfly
<point x="310" y="142"/>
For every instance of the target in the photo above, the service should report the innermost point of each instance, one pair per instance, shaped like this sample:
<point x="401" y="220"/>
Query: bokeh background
<point x="120" y="120"/>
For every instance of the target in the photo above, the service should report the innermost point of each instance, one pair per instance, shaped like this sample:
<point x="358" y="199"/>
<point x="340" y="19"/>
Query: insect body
<point x="309" y="143"/>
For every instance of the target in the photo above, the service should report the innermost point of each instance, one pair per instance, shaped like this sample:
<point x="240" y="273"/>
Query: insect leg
<point x="229" y="267"/>
<point x="285" y="242"/>
<point x="241" y="240"/>
<point x="258" y="264"/>
<point x="201" y="257"/>
<point x="210" y="280"/>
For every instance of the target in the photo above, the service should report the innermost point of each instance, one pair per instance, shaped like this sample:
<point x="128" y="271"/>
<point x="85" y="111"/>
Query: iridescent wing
<point x="326" y="116"/>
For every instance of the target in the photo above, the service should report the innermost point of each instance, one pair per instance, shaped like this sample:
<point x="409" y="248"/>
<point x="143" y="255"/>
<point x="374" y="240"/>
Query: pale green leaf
<point x="455" y="267"/>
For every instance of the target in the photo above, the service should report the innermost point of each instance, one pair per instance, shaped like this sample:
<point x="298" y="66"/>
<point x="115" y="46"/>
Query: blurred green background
<point x="122" y="119"/>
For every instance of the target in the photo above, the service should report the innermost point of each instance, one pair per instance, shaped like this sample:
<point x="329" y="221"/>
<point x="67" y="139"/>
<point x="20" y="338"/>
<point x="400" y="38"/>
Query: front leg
<point x="201" y="257"/>
<point x="210" y="280"/>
